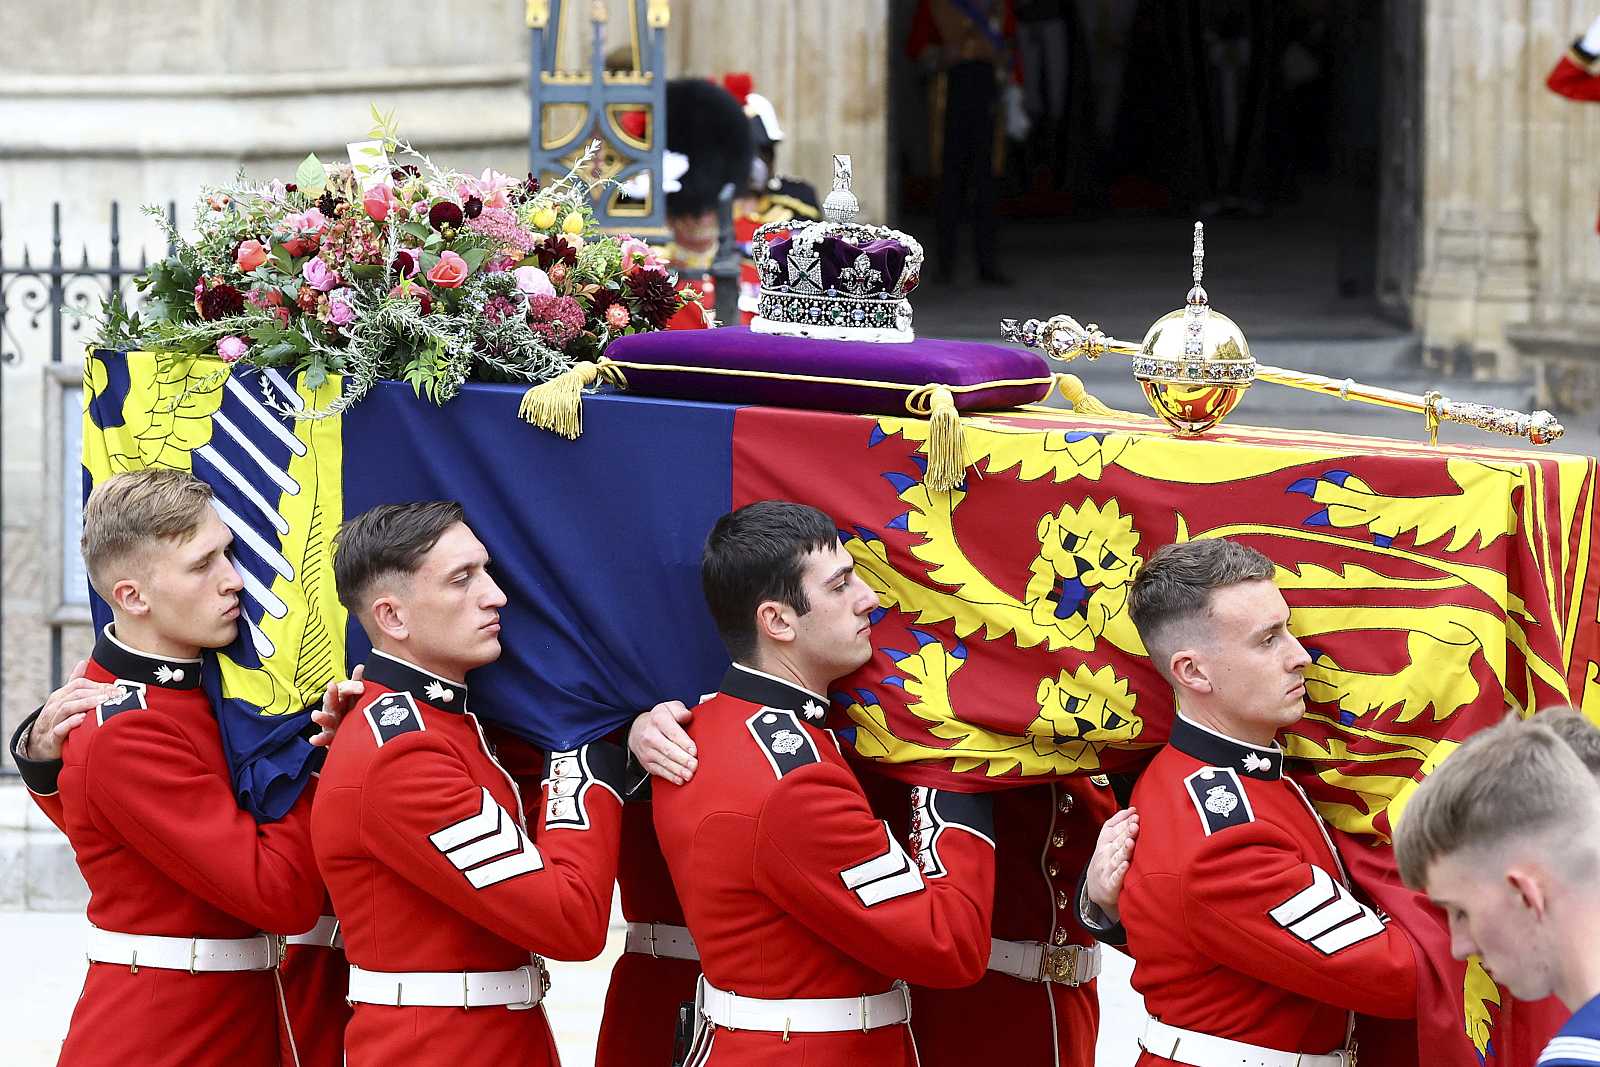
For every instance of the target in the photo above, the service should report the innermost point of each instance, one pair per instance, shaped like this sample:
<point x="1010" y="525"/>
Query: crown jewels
<point x="836" y="279"/>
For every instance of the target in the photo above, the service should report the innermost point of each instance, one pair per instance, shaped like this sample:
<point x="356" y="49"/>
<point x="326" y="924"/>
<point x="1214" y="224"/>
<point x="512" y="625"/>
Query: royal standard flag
<point x="1435" y="587"/>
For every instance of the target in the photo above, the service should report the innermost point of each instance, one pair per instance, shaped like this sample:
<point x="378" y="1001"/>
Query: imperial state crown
<point x="836" y="279"/>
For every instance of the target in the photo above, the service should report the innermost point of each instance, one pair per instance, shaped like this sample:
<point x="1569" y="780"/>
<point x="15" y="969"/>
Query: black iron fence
<point x="51" y="303"/>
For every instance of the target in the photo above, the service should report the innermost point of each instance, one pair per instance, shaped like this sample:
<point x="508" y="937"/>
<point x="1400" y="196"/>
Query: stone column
<point x="1560" y="338"/>
<point x="145" y="103"/>
<point x="1480" y="264"/>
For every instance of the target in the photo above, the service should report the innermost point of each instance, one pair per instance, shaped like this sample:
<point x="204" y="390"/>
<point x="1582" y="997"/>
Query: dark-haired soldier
<point x="419" y="827"/>
<point x="804" y="906"/>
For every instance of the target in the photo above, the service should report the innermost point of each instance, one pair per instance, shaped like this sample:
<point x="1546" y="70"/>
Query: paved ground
<point x="43" y="972"/>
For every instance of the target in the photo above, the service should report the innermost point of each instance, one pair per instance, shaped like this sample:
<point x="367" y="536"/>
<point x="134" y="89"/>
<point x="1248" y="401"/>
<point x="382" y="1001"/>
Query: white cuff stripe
<point x="883" y="877"/>
<point x="1571" y="1049"/>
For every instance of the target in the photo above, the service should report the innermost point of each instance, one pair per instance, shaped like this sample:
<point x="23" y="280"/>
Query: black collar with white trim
<point x="1220" y="750"/>
<point x="435" y="690"/>
<point x="130" y="665"/>
<point x="770" y="691"/>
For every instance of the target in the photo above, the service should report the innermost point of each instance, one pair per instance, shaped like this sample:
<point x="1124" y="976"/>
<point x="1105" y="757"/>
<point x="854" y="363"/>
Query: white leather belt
<point x="324" y="935"/>
<point x="1203" y="1050"/>
<point x="808" y="1016"/>
<point x="661" y="940"/>
<point x="517" y="990"/>
<point x="192" y="954"/>
<point x="1069" y="965"/>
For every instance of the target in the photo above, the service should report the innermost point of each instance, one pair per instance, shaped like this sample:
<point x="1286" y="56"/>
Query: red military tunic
<point x="1238" y="913"/>
<point x="641" y="1011"/>
<point x="793" y="889"/>
<point x="314" y="976"/>
<point x="421" y="835"/>
<point x="148" y="805"/>
<point x="1044" y="836"/>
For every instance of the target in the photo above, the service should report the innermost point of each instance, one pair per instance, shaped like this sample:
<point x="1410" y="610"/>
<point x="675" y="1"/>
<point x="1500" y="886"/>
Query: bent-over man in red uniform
<point x="422" y="832"/>
<point x="182" y="883"/>
<point x="805" y="908"/>
<point x="1249" y="944"/>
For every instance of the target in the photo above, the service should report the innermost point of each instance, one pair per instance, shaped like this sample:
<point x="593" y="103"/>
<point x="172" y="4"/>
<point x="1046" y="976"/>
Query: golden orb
<point x="1194" y="366"/>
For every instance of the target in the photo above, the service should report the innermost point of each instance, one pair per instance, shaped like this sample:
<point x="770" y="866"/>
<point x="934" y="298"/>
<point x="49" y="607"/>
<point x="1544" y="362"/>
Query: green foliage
<point x="311" y="176"/>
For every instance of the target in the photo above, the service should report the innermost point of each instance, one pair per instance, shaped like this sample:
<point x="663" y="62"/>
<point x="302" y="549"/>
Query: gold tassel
<point x="1083" y="402"/>
<point x="947" y="464"/>
<point x="557" y="405"/>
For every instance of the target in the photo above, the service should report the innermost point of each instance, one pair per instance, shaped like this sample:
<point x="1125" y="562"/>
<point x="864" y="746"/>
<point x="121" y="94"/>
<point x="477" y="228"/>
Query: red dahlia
<point x="654" y="297"/>
<point x="443" y="214"/>
<point x="219" y="301"/>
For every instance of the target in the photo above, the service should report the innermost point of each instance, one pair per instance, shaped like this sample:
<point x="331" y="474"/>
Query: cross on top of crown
<point x="841" y="204"/>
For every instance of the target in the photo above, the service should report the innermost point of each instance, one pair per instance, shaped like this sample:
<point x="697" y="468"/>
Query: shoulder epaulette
<point x="1219" y="799"/>
<point x="782" y="740"/>
<point x="391" y="715"/>
<point x="129" y="698"/>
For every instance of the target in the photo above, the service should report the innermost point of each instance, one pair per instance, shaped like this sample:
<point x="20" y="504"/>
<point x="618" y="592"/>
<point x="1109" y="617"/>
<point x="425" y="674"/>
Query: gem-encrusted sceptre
<point x="1227" y="368"/>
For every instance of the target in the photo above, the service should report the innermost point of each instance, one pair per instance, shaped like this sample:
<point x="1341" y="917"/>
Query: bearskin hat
<point x="707" y="125"/>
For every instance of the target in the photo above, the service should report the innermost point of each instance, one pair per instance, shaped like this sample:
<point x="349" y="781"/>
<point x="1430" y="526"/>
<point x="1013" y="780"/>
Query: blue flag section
<point x="596" y="543"/>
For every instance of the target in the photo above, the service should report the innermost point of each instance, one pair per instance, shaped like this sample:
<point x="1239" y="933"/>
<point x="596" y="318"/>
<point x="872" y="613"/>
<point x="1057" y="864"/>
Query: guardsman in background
<point x="183" y="885"/>
<point x="422" y="830"/>
<point x="804" y="906"/>
<point x="1577" y="74"/>
<point x="707" y="130"/>
<point x="768" y="197"/>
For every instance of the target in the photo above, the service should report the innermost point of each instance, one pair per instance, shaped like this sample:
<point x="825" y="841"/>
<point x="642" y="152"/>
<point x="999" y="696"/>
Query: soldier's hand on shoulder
<point x="660" y="745"/>
<point x="337" y="701"/>
<point x="1113" y="853"/>
<point x="63" y="711"/>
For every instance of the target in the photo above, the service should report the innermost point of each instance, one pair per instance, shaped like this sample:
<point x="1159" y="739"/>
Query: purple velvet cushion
<point x="920" y="362"/>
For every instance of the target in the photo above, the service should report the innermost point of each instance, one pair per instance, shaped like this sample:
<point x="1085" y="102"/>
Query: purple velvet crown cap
<point x="924" y="361"/>
<point x="886" y="255"/>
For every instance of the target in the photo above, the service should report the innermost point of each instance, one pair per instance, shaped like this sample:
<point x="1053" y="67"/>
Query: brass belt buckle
<point x="1061" y="964"/>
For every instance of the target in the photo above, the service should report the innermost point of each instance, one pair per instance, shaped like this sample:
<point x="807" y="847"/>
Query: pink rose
<point x="232" y="349"/>
<point x="340" y="313"/>
<point x="378" y="200"/>
<point x="533" y="281"/>
<point x="251" y="255"/>
<point x="450" y="271"/>
<point x="319" y="275"/>
<point x="299" y="246"/>
<point x="637" y="255"/>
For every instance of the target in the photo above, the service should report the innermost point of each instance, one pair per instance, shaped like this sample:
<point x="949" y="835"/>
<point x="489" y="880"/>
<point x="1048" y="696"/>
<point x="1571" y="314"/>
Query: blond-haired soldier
<point x="1505" y="838"/>
<point x="182" y="883"/>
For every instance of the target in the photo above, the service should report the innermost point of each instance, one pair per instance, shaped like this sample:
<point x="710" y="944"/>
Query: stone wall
<point x="145" y="103"/>
<point x="1510" y="260"/>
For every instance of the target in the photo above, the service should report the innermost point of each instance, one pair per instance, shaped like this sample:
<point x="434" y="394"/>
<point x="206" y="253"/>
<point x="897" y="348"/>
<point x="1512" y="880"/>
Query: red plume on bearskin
<point x="739" y="84"/>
